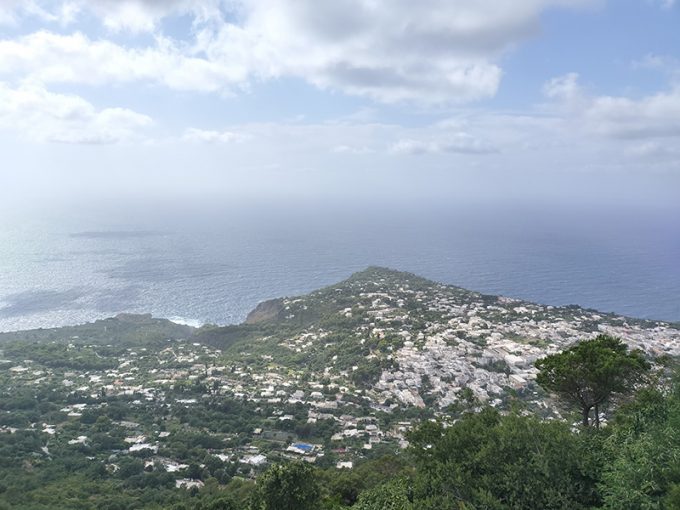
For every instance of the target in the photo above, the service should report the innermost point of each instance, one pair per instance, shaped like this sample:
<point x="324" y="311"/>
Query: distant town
<point x="331" y="378"/>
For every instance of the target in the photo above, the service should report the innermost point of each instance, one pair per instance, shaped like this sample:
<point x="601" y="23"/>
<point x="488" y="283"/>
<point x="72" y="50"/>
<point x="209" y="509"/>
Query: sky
<point x="485" y="101"/>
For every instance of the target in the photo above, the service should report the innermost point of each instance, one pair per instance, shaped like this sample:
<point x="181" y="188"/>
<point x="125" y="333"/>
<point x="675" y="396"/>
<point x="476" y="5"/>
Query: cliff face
<point x="265" y="311"/>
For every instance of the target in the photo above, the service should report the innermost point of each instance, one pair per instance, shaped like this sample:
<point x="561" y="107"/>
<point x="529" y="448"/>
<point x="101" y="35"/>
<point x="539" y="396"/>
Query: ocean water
<point x="213" y="264"/>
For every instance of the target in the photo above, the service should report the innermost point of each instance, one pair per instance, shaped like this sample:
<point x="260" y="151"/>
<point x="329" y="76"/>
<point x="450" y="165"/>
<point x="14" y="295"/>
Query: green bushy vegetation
<point x="484" y="460"/>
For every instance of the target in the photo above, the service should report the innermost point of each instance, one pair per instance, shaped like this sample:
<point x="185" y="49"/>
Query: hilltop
<point x="407" y="340"/>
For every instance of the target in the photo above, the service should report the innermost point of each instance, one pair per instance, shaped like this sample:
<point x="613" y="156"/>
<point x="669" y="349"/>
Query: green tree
<point x="490" y="461"/>
<point x="642" y="469"/>
<point x="591" y="373"/>
<point x="394" y="495"/>
<point x="287" y="487"/>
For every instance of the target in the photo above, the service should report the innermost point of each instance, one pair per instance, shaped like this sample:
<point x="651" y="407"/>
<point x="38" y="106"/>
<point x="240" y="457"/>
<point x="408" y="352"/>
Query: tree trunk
<point x="586" y="412"/>
<point x="597" y="416"/>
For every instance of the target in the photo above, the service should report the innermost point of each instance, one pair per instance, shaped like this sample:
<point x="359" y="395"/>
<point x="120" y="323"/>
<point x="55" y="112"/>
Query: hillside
<point x="338" y="377"/>
<point x="123" y="329"/>
<point x="411" y="341"/>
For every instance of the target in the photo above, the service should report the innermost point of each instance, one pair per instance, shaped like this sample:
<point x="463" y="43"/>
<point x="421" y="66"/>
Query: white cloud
<point x="653" y="151"/>
<point x="666" y="4"/>
<point x="46" y="57"/>
<point x="460" y="143"/>
<point x="665" y="64"/>
<point x="11" y="11"/>
<point x="348" y="149"/>
<point x="115" y="15"/>
<point x="657" y="115"/>
<point x="145" y="15"/>
<point x="210" y="136"/>
<point x="36" y="114"/>
<point x="435" y="51"/>
<point x="616" y="116"/>
<point x="389" y="51"/>
<point x="410" y="146"/>
<point x="563" y="87"/>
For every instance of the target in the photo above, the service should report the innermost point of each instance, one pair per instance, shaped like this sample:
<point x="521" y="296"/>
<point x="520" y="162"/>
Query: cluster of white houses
<point x="447" y="341"/>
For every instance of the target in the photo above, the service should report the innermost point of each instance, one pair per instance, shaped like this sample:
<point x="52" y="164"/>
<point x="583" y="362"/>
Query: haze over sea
<point x="215" y="263"/>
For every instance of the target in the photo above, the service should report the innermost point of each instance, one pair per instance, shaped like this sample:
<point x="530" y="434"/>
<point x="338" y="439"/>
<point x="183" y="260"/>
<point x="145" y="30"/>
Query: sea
<point x="197" y="264"/>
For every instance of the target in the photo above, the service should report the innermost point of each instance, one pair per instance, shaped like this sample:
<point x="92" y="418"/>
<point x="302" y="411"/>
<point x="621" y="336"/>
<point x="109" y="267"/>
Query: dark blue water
<point x="214" y="264"/>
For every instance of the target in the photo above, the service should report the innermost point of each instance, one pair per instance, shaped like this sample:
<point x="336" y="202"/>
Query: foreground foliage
<point x="490" y="461"/>
<point x="483" y="461"/>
